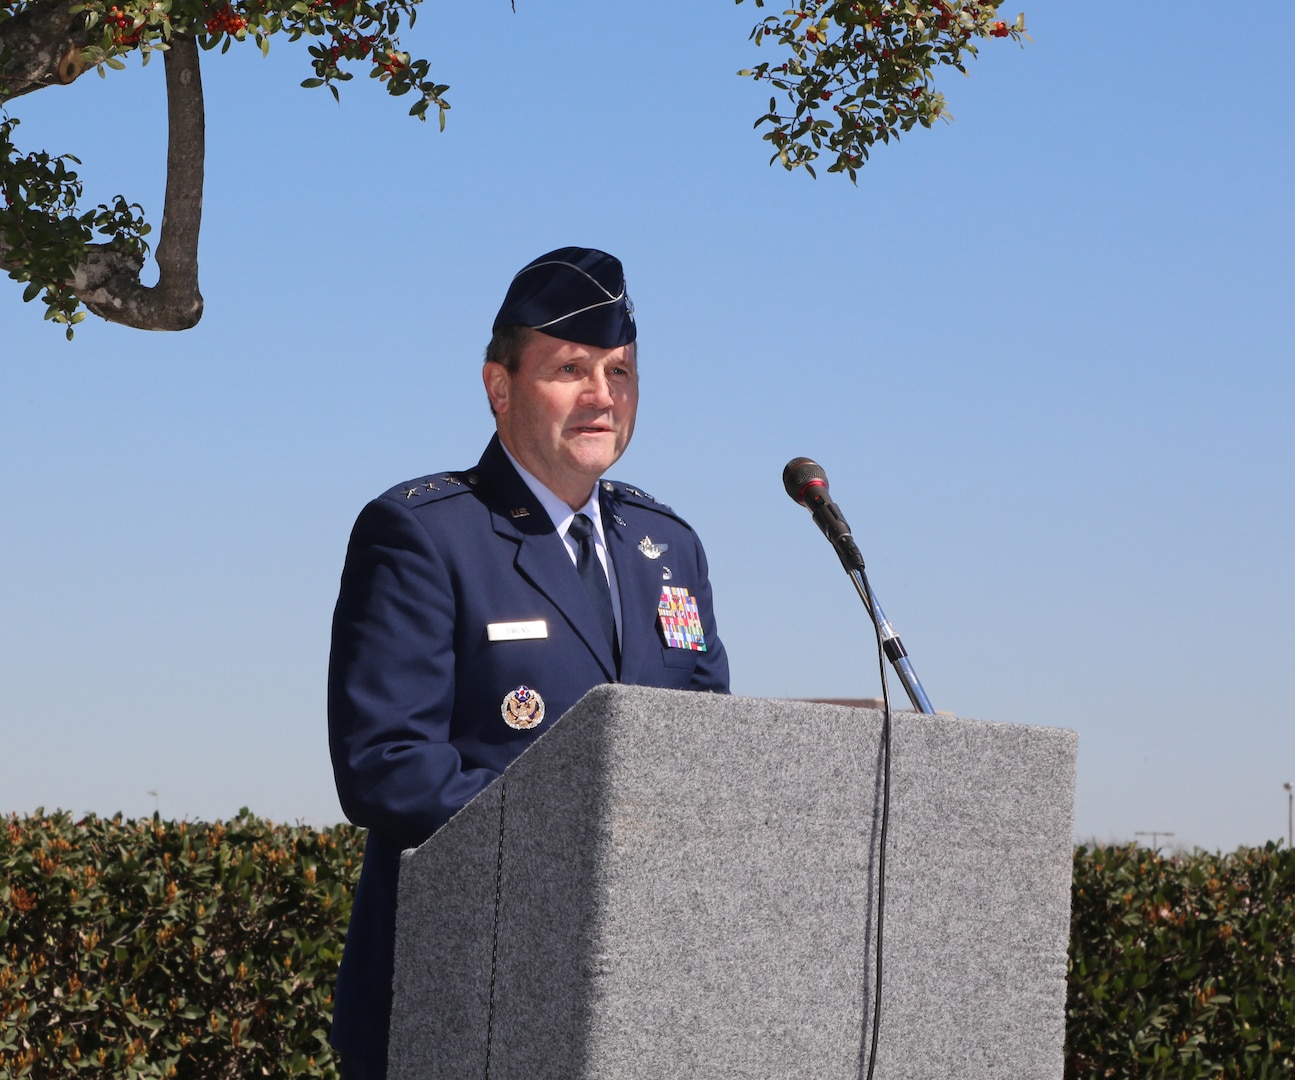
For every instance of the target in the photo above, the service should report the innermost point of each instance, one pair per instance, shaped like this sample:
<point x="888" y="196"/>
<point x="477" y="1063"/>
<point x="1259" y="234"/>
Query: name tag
<point x="517" y="631"/>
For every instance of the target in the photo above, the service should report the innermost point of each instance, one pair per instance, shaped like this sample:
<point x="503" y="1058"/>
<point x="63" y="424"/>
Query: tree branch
<point x="41" y="46"/>
<point x="108" y="281"/>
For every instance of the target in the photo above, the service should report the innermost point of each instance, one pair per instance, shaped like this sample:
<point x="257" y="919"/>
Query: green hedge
<point x="1182" y="967"/>
<point x="154" y="949"/>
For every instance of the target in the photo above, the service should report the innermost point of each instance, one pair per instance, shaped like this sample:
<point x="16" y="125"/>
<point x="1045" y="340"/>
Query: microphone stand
<point x="852" y="559"/>
<point x="894" y="648"/>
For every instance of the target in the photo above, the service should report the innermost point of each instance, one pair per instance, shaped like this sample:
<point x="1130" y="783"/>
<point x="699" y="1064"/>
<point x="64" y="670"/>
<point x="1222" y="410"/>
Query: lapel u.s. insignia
<point x="523" y="708"/>
<point x="680" y="620"/>
<point x="652" y="550"/>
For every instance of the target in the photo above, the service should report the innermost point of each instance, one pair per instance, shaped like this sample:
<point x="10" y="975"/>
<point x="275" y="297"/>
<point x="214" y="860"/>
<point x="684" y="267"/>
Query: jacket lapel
<point x="542" y="558"/>
<point x="638" y="581"/>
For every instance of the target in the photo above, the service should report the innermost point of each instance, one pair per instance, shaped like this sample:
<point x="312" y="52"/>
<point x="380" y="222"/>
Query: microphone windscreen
<point x="799" y="473"/>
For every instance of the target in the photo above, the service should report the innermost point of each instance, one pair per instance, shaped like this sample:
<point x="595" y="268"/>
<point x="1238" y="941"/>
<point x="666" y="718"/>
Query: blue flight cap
<point x="574" y="293"/>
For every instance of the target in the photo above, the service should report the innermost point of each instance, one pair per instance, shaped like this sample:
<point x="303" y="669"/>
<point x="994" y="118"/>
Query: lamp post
<point x="1290" y="814"/>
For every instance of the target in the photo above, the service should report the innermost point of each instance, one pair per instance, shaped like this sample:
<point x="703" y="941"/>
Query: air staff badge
<point x="522" y="708"/>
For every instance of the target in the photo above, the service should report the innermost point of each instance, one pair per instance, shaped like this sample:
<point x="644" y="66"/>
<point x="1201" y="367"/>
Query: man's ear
<point x="497" y="382"/>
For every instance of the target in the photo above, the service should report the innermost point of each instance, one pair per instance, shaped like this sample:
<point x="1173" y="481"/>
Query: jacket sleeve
<point x="391" y="682"/>
<point x="711" y="673"/>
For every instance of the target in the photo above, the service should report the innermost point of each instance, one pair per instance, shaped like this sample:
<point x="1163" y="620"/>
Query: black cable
<point x="885" y="825"/>
<point x="494" y="941"/>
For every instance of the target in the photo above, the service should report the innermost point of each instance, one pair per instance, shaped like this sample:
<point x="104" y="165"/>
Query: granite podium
<point x="673" y="885"/>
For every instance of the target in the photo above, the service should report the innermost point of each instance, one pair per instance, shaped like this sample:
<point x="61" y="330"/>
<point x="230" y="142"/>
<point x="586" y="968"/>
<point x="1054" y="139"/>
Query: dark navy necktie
<point x="594" y="577"/>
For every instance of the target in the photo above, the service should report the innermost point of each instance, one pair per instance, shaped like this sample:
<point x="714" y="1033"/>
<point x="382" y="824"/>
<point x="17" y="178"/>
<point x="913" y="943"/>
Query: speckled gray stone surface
<point x="671" y="885"/>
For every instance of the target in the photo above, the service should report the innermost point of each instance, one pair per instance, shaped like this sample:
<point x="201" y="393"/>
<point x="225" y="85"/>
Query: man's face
<point x="568" y="413"/>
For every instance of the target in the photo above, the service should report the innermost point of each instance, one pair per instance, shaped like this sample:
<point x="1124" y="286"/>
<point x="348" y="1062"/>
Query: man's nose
<point x="598" y="392"/>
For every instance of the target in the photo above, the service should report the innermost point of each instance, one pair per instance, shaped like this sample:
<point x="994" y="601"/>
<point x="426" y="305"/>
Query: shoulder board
<point x="629" y="493"/>
<point x="432" y="487"/>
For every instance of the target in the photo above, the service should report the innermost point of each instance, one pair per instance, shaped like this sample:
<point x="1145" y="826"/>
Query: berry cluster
<point x="392" y="63"/>
<point x="125" y="33"/>
<point x="1000" y="30"/>
<point x="942" y="15"/>
<point x="343" y="42"/>
<point x="226" y="21"/>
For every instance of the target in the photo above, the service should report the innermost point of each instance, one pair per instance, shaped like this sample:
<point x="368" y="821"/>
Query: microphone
<point x="806" y="482"/>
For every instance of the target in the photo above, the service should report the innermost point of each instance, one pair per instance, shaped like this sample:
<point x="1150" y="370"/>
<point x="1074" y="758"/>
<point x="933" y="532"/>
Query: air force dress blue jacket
<point x="417" y="688"/>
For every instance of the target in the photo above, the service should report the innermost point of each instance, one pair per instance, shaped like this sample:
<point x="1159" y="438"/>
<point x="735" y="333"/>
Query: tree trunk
<point x="108" y="281"/>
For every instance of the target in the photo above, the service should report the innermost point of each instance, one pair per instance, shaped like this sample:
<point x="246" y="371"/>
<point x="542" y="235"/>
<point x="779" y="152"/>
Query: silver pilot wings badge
<point x="652" y="550"/>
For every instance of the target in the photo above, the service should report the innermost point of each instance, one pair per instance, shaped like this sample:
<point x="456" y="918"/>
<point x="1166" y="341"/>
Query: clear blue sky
<point x="1043" y="352"/>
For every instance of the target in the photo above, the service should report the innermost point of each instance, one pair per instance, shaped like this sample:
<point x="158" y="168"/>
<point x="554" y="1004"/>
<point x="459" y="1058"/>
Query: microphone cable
<point x="885" y="828"/>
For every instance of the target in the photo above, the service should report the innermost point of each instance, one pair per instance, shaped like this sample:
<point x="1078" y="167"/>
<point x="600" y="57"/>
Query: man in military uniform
<point x="477" y="607"/>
